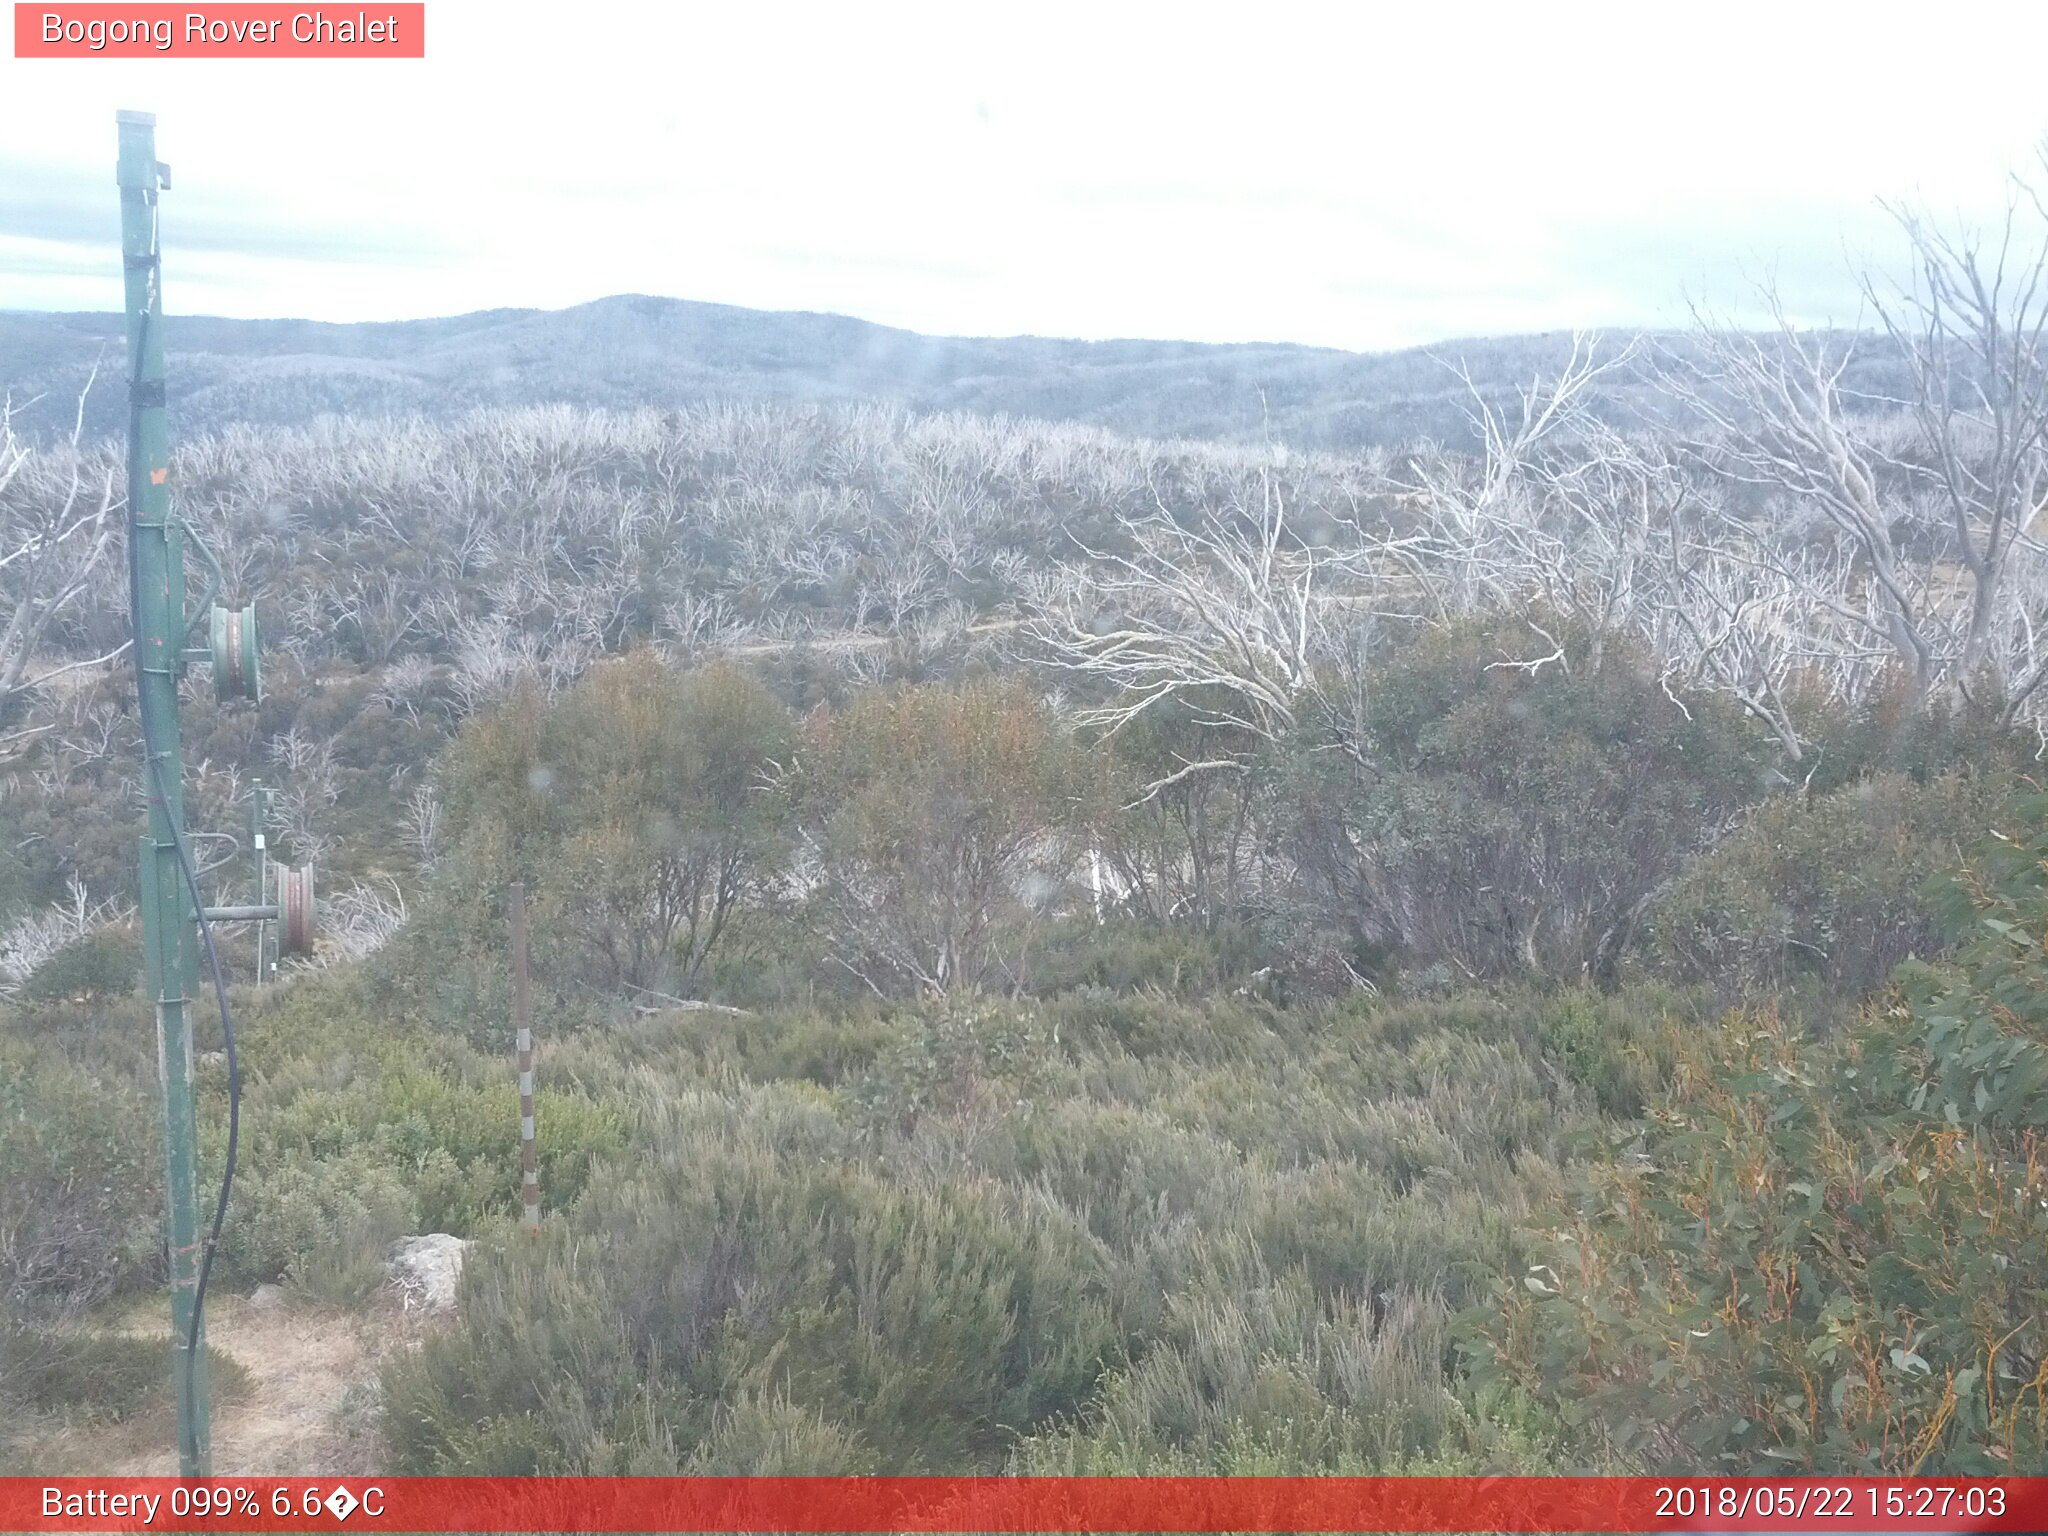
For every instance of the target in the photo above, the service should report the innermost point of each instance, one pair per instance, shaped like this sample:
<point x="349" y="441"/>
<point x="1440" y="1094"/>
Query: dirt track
<point x="307" y="1407"/>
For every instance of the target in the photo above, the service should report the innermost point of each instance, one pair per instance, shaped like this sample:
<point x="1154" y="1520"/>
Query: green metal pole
<point x="259" y="842"/>
<point x="170" y="951"/>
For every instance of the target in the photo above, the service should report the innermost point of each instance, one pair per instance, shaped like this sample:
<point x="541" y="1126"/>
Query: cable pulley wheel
<point x="236" y="673"/>
<point x="295" y="909"/>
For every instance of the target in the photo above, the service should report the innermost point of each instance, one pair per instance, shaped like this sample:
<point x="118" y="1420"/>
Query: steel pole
<point x="259" y="843"/>
<point x="157" y="567"/>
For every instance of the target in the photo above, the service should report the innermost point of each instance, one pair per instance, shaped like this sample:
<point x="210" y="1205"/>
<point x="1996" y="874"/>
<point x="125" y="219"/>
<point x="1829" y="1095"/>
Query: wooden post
<point x="522" y="1020"/>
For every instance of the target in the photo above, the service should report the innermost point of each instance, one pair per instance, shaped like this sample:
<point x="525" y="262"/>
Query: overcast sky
<point x="1357" y="175"/>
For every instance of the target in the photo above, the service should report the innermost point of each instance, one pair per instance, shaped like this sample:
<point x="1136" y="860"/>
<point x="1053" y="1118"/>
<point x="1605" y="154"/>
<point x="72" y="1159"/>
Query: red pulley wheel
<point x="295" y="900"/>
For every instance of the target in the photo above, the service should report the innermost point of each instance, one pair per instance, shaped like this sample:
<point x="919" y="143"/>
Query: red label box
<point x="226" y="31"/>
<point x="741" y="1506"/>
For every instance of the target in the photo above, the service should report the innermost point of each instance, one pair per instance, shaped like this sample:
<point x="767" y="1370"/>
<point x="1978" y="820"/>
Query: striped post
<point x="522" y="1020"/>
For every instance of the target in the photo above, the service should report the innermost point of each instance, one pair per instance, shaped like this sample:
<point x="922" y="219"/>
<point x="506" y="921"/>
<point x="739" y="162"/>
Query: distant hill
<point x="634" y="350"/>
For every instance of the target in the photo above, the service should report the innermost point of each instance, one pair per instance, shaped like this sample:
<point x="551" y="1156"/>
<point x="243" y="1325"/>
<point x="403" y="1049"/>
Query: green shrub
<point x="1828" y="888"/>
<point x="1923" y="740"/>
<point x="326" y="1226"/>
<point x="100" y="964"/>
<point x="1622" y="1046"/>
<point x="799" y="1042"/>
<point x="308" y="1016"/>
<point x="441" y="1119"/>
<point x="1349" y="1234"/>
<point x="770" y="1436"/>
<point x="1125" y="954"/>
<point x="934" y="1323"/>
<point x="637" y="810"/>
<point x="1501" y="820"/>
<point x="1150" y="1023"/>
<point x="80" y="1202"/>
<point x="1182" y="849"/>
<point x="76" y="1376"/>
<point x="939" y="820"/>
<point x="17" y="881"/>
<point x="1134" y="1171"/>
<point x="1824" y="1256"/>
<point x="955" y="1057"/>
<point x="1257" y="1374"/>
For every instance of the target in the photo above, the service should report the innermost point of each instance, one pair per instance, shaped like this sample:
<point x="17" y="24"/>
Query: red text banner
<point x="1052" y="1504"/>
<point x="225" y="31"/>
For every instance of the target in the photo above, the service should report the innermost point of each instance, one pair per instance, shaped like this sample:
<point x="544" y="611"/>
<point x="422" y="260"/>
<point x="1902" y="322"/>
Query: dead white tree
<point x="380" y="608"/>
<point x="1248" y="609"/>
<point x="358" y="921"/>
<point x="422" y="829"/>
<point x="1969" y="324"/>
<point x="96" y="731"/>
<point x="1930" y="489"/>
<point x="299" y="818"/>
<point x="1766" y="622"/>
<point x="1779" y="422"/>
<point x="697" y="624"/>
<point x="32" y="940"/>
<point x="1554" y="508"/>
<point x="1222" y="609"/>
<point x="491" y="658"/>
<point x="406" y="685"/>
<point x="57" y="528"/>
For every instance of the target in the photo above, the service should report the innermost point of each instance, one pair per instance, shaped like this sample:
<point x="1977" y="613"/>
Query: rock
<point x="427" y="1271"/>
<point x="267" y="1298"/>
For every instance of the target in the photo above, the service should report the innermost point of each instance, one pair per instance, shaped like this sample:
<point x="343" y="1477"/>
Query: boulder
<point x="266" y="1297"/>
<point x="427" y="1271"/>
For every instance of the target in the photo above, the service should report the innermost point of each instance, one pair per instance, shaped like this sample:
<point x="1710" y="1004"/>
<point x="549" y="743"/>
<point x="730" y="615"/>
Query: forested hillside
<point x="634" y="350"/>
<point x="1060" y="950"/>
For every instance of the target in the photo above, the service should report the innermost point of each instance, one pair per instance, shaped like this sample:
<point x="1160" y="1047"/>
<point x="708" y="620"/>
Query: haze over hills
<point x="634" y="350"/>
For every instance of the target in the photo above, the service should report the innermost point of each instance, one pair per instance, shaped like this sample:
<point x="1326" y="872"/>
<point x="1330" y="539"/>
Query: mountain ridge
<point x="629" y="350"/>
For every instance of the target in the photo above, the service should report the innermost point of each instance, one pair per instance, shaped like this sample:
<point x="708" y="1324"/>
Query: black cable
<point x="184" y="852"/>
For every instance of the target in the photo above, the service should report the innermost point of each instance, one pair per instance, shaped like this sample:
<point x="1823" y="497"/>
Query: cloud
<point x="38" y="202"/>
<point x="1347" y="176"/>
<point x="38" y="258"/>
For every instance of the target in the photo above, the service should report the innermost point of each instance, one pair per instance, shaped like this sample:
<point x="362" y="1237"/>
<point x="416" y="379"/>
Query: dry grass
<point x="308" y="1406"/>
